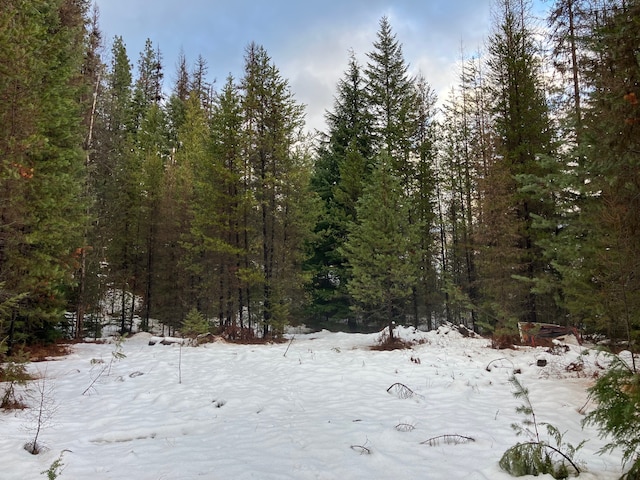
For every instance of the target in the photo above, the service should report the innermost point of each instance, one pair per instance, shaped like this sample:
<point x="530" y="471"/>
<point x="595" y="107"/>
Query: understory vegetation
<point x="538" y="455"/>
<point x="198" y="208"/>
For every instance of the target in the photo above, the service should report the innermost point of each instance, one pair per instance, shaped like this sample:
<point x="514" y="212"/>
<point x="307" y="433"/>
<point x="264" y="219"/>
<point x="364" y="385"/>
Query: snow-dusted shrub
<point x="537" y="456"/>
<point x="617" y="414"/>
<point x="448" y="439"/>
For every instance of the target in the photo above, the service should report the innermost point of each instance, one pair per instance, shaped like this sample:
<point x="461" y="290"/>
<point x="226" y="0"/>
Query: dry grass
<point x="502" y="341"/>
<point x="40" y="353"/>
<point x="386" y="344"/>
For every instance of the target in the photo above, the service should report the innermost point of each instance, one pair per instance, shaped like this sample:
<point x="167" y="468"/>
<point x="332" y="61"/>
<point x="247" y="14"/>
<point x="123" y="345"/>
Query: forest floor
<point x="322" y="406"/>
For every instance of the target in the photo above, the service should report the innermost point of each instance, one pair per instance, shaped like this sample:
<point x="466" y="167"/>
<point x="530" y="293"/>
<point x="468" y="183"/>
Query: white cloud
<point x="308" y="41"/>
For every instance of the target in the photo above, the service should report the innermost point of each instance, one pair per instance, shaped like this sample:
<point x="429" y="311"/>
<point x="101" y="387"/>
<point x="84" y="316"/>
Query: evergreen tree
<point x="88" y="291"/>
<point x="119" y="193"/>
<point x="380" y="249"/>
<point x="41" y="159"/>
<point x="272" y="120"/>
<point x="139" y="133"/>
<point x="523" y="130"/>
<point x="341" y="170"/>
<point x="218" y="203"/>
<point x="391" y="98"/>
<point x="148" y="85"/>
<point x="464" y="156"/>
<point x="199" y="83"/>
<point x="569" y="25"/>
<point x="227" y="147"/>
<point x="402" y="109"/>
<point x="153" y="147"/>
<point x="191" y="193"/>
<point x="426" y="298"/>
<point x="605" y="290"/>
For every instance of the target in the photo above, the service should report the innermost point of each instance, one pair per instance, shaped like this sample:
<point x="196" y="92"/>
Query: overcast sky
<point x="309" y="41"/>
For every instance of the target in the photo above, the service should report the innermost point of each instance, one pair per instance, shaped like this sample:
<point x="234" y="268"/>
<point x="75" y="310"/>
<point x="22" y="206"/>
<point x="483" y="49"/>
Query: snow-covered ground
<point x="320" y="412"/>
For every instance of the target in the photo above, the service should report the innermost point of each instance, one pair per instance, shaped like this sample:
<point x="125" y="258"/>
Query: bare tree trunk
<point x="81" y="306"/>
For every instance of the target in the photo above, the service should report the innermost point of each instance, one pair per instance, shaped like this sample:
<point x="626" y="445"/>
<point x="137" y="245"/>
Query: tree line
<point x="125" y="199"/>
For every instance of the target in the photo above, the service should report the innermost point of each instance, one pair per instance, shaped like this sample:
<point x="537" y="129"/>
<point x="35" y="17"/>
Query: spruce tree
<point x="120" y="170"/>
<point x="391" y="96"/>
<point x="216" y="225"/>
<point x="341" y="171"/>
<point x="609" y="250"/>
<point x="41" y="160"/>
<point x="153" y="147"/>
<point x="402" y="108"/>
<point x="192" y="194"/>
<point x="380" y="249"/>
<point x="523" y="130"/>
<point x="426" y="298"/>
<point x="272" y="122"/>
<point x="87" y="291"/>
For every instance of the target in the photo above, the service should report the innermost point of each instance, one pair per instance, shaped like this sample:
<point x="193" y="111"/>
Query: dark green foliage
<point x="617" y="414"/>
<point x="41" y="133"/>
<point x="208" y="199"/>
<point x="283" y="206"/>
<point x="392" y="98"/>
<point x="537" y="456"/>
<point x="195" y="324"/>
<point x="379" y="249"/>
<point x="381" y="112"/>
<point x="610" y="273"/>
<point x="531" y="459"/>
<point x="12" y="374"/>
<point x="341" y="170"/>
<point x="523" y="132"/>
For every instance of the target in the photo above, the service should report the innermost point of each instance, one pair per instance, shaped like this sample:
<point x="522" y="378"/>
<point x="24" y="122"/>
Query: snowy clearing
<point x="320" y="412"/>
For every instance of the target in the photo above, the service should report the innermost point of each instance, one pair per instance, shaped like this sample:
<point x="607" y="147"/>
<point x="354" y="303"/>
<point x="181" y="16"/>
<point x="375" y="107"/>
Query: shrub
<point x="41" y="415"/>
<point x="55" y="469"/>
<point x="537" y="456"/>
<point x="617" y="414"/>
<point x="195" y="324"/>
<point x="14" y="373"/>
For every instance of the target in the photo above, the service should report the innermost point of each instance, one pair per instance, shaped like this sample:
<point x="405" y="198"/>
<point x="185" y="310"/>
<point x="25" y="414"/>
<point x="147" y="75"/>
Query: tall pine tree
<point x="41" y="133"/>
<point x="272" y="122"/>
<point x="342" y="168"/>
<point x="510" y="256"/>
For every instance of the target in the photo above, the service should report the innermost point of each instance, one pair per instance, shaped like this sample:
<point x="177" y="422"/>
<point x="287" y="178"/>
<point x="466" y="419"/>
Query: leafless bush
<point x="14" y="374"/>
<point x="40" y="417"/>
<point x="401" y="391"/>
<point x="405" y="427"/>
<point x="361" y="449"/>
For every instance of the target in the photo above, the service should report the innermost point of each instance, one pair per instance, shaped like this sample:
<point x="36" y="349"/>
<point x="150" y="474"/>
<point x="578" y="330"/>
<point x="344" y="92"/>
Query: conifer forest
<point x="134" y="194"/>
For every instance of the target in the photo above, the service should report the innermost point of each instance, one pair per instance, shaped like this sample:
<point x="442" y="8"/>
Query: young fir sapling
<point x="41" y="416"/>
<point x="537" y="456"/>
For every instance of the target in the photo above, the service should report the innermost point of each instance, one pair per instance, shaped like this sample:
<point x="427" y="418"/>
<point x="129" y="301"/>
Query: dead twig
<point x="290" y="342"/>
<point x="488" y="367"/>
<point x="405" y="427"/>
<point x="448" y="439"/>
<point x="401" y="391"/>
<point x="104" y="369"/>
<point x="361" y="449"/>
